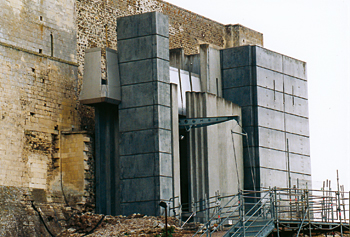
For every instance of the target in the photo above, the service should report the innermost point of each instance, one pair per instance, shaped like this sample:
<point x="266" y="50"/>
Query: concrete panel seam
<point x="125" y="85"/>
<point x="145" y="106"/>
<point x="267" y="168"/>
<point x="281" y="73"/>
<point x="144" y="59"/>
<point x="119" y="40"/>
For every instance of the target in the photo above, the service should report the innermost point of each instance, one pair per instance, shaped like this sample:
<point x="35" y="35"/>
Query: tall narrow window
<point x="217" y="87"/>
<point x="293" y="94"/>
<point x="274" y="89"/>
<point x="51" y="40"/>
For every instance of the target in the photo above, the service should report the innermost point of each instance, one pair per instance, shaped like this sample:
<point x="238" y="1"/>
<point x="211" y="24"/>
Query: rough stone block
<point x="236" y="57"/>
<point x="145" y="47"/>
<point x="142" y="25"/>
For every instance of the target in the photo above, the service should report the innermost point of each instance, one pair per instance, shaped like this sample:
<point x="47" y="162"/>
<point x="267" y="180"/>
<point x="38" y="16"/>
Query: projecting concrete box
<point x="272" y="90"/>
<point x="101" y="82"/>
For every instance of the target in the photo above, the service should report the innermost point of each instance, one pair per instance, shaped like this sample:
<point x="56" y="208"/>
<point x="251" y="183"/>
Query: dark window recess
<point x="33" y="69"/>
<point x="32" y="114"/>
<point x="41" y="18"/>
<point x="103" y="82"/>
<point x="51" y="40"/>
<point x="40" y="51"/>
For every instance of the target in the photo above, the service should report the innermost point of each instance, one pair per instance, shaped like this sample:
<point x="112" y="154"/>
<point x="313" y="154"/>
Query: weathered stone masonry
<point x="42" y="48"/>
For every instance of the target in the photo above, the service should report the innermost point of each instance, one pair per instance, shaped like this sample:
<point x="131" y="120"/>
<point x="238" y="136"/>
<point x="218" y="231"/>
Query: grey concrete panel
<point x="162" y="117"/>
<point x="298" y="144"/>
<point x="248" y="116"/>
<point x="253" y="136"/>
<point x="298" y="107"/>
<point x="92" y="75"/>
<point x="270" y="118"/>
<point x="142" y="25"/>
<point x="113" y="79"/>
<point x="300" y="164"/>
<point x="146" y="47"/>
<point x="268" y="59"/>
<point x="139" y="166"/>
<point x="294" y="67"/>
<point x="236" y="57"/>
<point x="136" y="118"/>
<point x="272" y="139"/>
<point x="150" y="208"/>
<point x="139" y="142"/>
<point x="164" y="141"/>
<point x="165" y="165"/>
<point x="269" y="79"/>
<point x="163" y="94"/>
<point x="272" y="159"/>
<point x="145" y="165"/>
<point x="144" y="71"/>
<point x="144" y="94"/>
<point x="241" y="96"/>
<point x="297" y="125"/>
<point x="237" y="77"/>
<point x="295" y="86"/>
<point x="305" y="181"/>
<point x="272" y="178"/>
<point x="140" y="189"/>
<point x="166" y="188"/>
<point x="251" y="159"/>
<point x="270" y="99"/>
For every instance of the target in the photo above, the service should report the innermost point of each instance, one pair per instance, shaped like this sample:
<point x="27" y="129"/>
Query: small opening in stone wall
<point x="44" y="104"/>
<point x="42" y="80"/>
<point x="40" y="51"/>
<point x="41" y="18"/>
<point x="56" y="127"/>
<point x="51" y="40"/>
<point x="33" y="69"/>
<point x="103" y="82"/>
<point x="32" y="113"/>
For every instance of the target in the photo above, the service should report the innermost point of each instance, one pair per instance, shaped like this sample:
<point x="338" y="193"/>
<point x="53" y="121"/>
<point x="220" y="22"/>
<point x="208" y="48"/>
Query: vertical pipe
<point x="338" y="208"/>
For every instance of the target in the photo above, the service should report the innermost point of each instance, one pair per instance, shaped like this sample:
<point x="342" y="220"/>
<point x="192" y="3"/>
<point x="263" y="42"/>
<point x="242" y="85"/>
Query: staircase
<point x="248" y="215"/>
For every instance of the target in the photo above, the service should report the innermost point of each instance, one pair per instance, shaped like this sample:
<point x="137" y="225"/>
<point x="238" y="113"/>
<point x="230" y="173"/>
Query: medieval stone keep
<point x="113" y="106"/>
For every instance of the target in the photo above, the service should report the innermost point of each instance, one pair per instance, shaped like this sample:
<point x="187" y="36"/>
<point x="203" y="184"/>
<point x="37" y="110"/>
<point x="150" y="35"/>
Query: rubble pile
<point x="134" y="225"/>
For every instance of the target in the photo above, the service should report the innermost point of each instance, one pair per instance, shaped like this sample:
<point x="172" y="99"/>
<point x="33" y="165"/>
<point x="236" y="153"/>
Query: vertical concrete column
<point x="107" y="159"/>
<point x="145" y="113"/>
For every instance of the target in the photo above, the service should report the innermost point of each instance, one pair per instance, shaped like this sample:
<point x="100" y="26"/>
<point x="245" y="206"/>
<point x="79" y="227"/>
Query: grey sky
<point x="315" y="31"/>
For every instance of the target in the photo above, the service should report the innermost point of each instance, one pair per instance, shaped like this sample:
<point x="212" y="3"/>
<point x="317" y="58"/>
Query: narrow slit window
<point x="51" y="40"/>
<point x="274" y="89"/>
<point x="293" y="94"/>
<point x="217" y="87"/>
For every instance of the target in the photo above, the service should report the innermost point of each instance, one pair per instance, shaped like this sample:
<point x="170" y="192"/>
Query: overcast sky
<point x="315" y="31"/>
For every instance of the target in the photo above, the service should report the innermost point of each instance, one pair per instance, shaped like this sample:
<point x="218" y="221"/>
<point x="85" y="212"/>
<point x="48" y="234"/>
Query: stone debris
<point x="132" y="225"/>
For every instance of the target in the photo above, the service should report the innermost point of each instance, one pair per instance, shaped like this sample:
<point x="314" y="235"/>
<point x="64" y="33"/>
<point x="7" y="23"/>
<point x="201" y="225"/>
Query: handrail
<point x="219" y="211"/>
